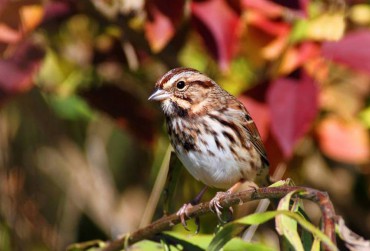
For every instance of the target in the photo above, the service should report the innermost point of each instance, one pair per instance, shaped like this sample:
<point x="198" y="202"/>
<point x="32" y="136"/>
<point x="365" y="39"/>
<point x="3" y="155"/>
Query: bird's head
<point x="182" y="91"/>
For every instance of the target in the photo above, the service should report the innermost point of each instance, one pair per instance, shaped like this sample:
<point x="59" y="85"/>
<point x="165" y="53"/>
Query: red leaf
<point x="218" y="24"/>
<point x="270" y="27"/>
<point x="352" y="50"/>
<point x="261" y="14"/>
<point x="58" y="10"/>
<point x="294" y="105"/>
<point x="163" y="18"/>
<point x="3" y="4"/>
<point x="17" y="71"/>
<point x="344" y="141"/>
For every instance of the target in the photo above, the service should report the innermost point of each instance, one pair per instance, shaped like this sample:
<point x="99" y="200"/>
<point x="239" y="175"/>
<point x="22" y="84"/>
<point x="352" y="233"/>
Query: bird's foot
<point x="216" y="207"/>
<point x="184" y="212"/>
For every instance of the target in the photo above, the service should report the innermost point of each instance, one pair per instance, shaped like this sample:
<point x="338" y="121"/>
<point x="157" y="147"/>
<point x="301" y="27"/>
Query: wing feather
<point x="255" y="137"/>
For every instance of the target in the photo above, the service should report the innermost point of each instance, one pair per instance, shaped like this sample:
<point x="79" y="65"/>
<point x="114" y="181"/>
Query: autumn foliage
<point x="74" y="82"/>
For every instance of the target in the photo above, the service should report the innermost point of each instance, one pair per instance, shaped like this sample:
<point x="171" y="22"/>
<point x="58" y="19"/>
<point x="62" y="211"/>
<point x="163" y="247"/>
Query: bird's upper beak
<point x="159" y="95"/>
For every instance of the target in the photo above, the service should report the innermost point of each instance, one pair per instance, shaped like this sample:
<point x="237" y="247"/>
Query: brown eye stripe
<point x="205" y="84"/>
<point x="172" y="73"/>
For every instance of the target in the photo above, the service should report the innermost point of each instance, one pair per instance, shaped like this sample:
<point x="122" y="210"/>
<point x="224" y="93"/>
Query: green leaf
<point x="52" y="71"/>
<point x="236" y="80"/>
<point x="232" y="229"/>
<point x="192" y="55"/>
<point x="72" y="107"/>
<point x="365" y="117"/>
<point x="201" y="242"/>
<point x="259" y="218"/>
<point x="146" y="245"/>
<point x="88" y="245"/>
<point x="316" y="245"/>
<point x="279" y="183"/>
<point x="5" y="234"/>
<point x="193" y="242"/>
<point x="287" y="226"/>
<point x="239" y="244"/>
<point x="228" y="232"/>
<point x="307" y="240"/>
<point x="310" y="227"/>
<point x="299" y="31"/>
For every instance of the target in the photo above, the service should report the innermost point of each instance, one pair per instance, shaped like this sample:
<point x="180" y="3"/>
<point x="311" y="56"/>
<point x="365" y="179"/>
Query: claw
<point x="197" y="222"/>
<point x="216" y="207"/>
<point x="183" y="211"/>
<point x="253" y="186"/>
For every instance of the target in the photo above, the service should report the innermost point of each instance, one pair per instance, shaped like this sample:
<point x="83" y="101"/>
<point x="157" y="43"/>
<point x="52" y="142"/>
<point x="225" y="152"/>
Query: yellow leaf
<point x="326" y="27"/>
<point x="360" y="14"/>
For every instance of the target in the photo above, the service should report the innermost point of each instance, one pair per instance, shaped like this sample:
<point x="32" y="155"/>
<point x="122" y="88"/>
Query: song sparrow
<point x="211" y="132"/>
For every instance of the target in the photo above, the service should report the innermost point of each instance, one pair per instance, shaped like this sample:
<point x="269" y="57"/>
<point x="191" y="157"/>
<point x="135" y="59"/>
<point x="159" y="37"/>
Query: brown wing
<point x="255" y="137"/>
<point x="248" y="124"/>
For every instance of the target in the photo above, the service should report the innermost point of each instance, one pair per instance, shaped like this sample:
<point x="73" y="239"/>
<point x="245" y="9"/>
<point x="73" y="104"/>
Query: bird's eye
<point x="180" y="85"/>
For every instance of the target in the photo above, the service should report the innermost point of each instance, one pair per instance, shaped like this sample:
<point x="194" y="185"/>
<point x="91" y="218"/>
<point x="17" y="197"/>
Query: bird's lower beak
<point x="159" y="95"/>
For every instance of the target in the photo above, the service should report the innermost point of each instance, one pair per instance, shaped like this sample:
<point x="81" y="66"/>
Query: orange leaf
<point x="344" y="141"/>
<point x="268" y="8"/>
<point x="274" y="49"/>
<point x="297" y="56"/>
<point x="159" y="31"/>
<point x="163" y="18"/>
<point x="31" y="16"/>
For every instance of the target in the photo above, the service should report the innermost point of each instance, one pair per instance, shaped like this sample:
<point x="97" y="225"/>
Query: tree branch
<point x="321" y="198"/>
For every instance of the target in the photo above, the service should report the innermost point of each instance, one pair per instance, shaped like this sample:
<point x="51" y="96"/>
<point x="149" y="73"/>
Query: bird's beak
<point x="159" y="95"/>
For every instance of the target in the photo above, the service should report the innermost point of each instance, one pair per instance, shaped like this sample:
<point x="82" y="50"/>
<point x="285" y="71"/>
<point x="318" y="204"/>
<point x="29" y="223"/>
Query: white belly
<point x="215" y="166"/>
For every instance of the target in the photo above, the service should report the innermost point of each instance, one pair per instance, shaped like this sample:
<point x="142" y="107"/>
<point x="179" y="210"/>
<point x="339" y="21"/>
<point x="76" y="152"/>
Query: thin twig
<point x="165" y="223"/>
<point x="157" y="188"/>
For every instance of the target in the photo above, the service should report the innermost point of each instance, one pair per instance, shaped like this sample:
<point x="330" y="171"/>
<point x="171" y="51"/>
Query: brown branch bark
<point x="321" y="198"/>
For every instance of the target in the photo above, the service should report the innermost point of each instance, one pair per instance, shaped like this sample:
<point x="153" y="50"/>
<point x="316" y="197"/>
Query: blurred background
<point x="81" y="147"/>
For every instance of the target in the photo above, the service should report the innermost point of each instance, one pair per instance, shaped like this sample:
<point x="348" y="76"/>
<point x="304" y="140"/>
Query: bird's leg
<point x="184" y="210"/>
<point x="215" y="206"/>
